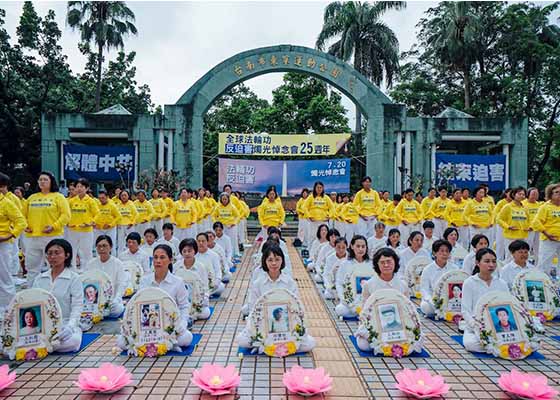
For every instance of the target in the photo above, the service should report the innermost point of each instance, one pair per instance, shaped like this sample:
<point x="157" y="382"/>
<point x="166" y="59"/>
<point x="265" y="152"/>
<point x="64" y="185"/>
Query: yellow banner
<point x="257" y="144"/>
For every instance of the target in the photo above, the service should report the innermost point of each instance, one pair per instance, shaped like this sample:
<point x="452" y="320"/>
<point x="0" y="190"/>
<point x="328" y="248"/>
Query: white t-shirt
<point x="114" y="268"/>
<point x="140" y="258"/>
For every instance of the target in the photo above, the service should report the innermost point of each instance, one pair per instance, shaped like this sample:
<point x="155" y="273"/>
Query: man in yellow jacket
<point x="12" y="224"/>
<point x="455" y="217"/>
<point x="479" y="215"/>
<point x="184" y="216"/>
<point x="410" y="213"/>
<point x="79" y="231"/>
<point x="270" y="212"/>
<point x="368" y="204"/>
<point x="107" y="219"/>
<point x="427" y="204"/>
<point x="145" y="212"/>
<point x="514" y="220"/>
<point x="547" y="222"/>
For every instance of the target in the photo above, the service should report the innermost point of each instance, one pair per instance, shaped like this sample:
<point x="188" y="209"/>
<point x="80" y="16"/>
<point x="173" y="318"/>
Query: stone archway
<point x="187" y="114"/>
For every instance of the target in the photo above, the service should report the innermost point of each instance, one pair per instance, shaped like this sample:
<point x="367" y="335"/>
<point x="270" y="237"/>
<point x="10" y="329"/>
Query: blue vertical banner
<point x="469" y="171"/>
<point x="99" y="163"/>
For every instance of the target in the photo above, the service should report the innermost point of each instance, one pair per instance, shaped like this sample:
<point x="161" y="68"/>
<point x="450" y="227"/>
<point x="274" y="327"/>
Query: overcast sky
<point x="178" y="42"/>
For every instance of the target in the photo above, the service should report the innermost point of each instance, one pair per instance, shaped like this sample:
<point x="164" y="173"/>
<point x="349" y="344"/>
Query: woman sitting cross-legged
<point x="357" y="255"/>
<point x="163" y="278"/>
<point x="273" y="263"/>
<point x="66" y="286"/>
<point x="474" y="288"/>
<point x="113" y="267"/>
<point x="441" y="250"/>
<point x="189" y="248"/>
<point x="386" y="265"/>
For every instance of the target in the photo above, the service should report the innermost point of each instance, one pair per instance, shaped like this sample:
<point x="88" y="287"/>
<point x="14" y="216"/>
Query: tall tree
<point x="105" y="23"/>
<point x="360" y="33"/>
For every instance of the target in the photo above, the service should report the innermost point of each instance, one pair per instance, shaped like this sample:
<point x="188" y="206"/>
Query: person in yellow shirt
<point x="350" y="218"/>
<point x="47" y="214"/>
<point x="169" y="204"/>
<point x="12" y="224"/>
<point x="454" y="215"/>
<point x="235" y="202"/>
<point x="487" y="197"/>
<point x="19" y="192"/>
<point x="466" y="194"/>
<point x="79" y="231"/>
<point x="514" y="220"/>
<point x="437" y="212"/>
<point x="368" y="204"/>
<point x="318" y="208"/>
<point x="117" y="195"/>
<point x="339" y="223"/>
<point x="14" y="263"/>
<point x="184" y="215"/>
<point x="127" y="221"/>
<point x="532" y="204"/>
<point x="160" y="211"/>
<point x="199" y="227"/>
<point x="302" y="218"/>
<point x="270" y="212"/>
<point x="208" y="204"/>
<point x="427" y="204"/>
<point x="479" y="215"/>
<point x="385" y="201"/>
<point x="245" y="212"/>
<point x="228" y="215"/>
<point x="410" y="213"/>
<point x="390" y="216"/>
<point x="107" y="218"/>
<point x="205" y="223"/>
<point x="547" y="222"/>
<point x="501" y="250"/>
<point x="145" y="212"/>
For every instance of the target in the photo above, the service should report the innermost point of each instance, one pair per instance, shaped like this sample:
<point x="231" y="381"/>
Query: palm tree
<point x="455" y="41"/>
<point x="362" y="34"/>
<point x="105" y="23"/>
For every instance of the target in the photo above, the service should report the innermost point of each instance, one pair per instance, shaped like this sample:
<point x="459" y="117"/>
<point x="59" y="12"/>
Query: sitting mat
<point x="533" y="356"/>
<point x="423" y="354"/>
<point x="87" y="339"/>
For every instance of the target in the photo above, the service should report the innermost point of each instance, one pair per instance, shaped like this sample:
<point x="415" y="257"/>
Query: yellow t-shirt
<point x="82" y="212"/>
<point x="367" y="203"/>
<point x="227" y="215"/>
<point x="409" y="211"/>
<point x="160" y="209"/>
<point x="479" y="213"/>
<point x="548" y="219"/>
<point x="184" y="213"/>
<point x="516" y="216"/>
<point x="128" y="212"/>
<point x="454" y="213"/>
<point x="438" y="208"/>
<point x="145" y="211"/>
<point x="44" y="210"/>
<point x="12" y="221"/>
<point x="319" y="208"/>
<point x="108" y="215"/>
<point x="271" y="214"/>
<point x="349" y="213"/>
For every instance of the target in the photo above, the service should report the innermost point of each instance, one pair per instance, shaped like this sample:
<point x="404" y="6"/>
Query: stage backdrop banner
<point x="465" y="170"/>
<point x="248" y="144"/>
<point x="98" y="163"/>
<point x="290" y="177"/>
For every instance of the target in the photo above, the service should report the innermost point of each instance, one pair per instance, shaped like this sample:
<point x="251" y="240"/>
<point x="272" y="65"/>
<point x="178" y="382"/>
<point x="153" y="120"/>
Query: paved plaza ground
<point x="354" y="377"/>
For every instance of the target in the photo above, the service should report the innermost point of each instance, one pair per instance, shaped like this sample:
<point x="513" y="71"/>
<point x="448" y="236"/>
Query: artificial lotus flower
<point x="108" y="378"/>
<point x="307" y="382"/>
<point x="421" y="384"/>
<point x="215" y="379"/>
<point x="526" y="386"/>
<point x="6" y="378"/>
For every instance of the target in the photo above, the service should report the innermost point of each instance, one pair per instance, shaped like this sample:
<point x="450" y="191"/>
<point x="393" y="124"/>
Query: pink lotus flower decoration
<point x="526" y="386"/>
<point x="6" y="378"/>
<point x="421" y="384"/>
<point x="307" y="382"/>
<point x="215" y="379"/>
<point x="108" y="378"/>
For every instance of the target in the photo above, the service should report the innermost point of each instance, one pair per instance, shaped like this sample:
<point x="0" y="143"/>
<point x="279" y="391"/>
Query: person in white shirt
<point x="211" y="262"/>
<point x="150" y="238"/>
<point x="163" y="278"/>
<point x="325" y="250"/>
<point x="519" y="250"/>
<point x="478" y="242"/>
<point x="357" y="255"/>
<point x="414" y="249"/>
<point x="170" y="240"/>
<point x="441" y="251"/>
<point x="66" y="286"/>
<point x="458" y="252"/>
<point x="134" y="253"/>
<point x="386" y="265"/>
<point x="429" y="238"/>
<point x="188" y="248"/>
<point x="474" y="288"/>
<point x="224" y="265"/>
<point x="114" y="268"/>
<point x="322" y="232"/>
<point x="223" y="240"/>
<point x="332" y="264"/>
<point x="273" y="262"/>
<point x="394" y="240"/>
<point x="276" y="233"/>
<point x="378" y="240"/>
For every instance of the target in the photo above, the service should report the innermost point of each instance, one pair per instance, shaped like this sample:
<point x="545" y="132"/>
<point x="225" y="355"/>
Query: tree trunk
<point x="358" y="126"/>
<point x="98" y="86"/>
<point x="467" y="87"/>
